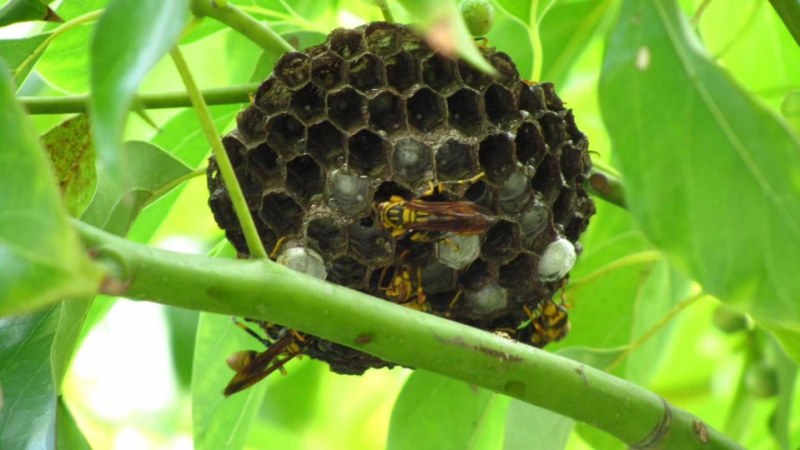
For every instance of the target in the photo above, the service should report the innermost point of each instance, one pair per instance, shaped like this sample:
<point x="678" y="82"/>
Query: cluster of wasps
<point x="426" y="218"/>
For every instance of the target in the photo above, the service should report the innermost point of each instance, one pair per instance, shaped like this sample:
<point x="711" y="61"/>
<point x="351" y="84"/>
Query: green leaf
<point x="72" y="155"/>
<point x="28" y="418"/>
<point x="41" y="257"/>
<point x="68" y="434"/>
<point x="780" y="423"/>
<point x="15" y="52"/>
<point x="526" y="423"/>
<point x="26" y="10"/>
<point x="219" y="422"/>
<point x="446" y="17"/>
<point x="151" y="174"/>
<point x="711" y="176"/>
<point x="437" y="412"/>
<point x="129" y="39"/>
<point x="182" y="137"/>
<point x="182" y="333"/>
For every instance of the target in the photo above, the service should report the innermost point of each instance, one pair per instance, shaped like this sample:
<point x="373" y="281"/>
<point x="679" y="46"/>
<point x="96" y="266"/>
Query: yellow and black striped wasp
<point x="251" y="366"/>
<point x="550" y="325"/>
<point x="428" y="220"/>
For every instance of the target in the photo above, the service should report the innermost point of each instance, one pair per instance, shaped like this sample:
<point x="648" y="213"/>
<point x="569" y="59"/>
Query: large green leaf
<point x="437" y="412"/>
<point x="26" y="10"/>
<point x="29" y="416"/>
<point x="72" y="155"/>
<point x="220" y="422"/>
<point x="68" y="435"/>
<point x="151" y="174"/>
<point x="15" y="52"/>
<point x="711" y="176"/>
<point x="41" y="258"/>
<point x="526" y="424"/>
<point x="129" y="39"/>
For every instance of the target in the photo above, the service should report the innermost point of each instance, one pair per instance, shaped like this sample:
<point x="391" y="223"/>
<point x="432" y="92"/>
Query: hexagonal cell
<point x="534" y="220"/>
<point x="283" y="215"/>
<point x="455" y="160"/>
<point x="369" y="243"/>
<point x="308" y="103"/>
<point x="387" y="112"/>
<point x="564" y="205"/>
<point x="234" y="149"/>
<point x="347" y="43"/>
<point x="326" y="144"/>
<point x="304" y="178"/>
<point x="248" y="182"/>
<point x="506" y="70"/>
<point x="222" y="208"/>
<point x="425" y="110"/>
<point x="479" y="193"/>
<point x="531" y="98"/>
<point x="303" y="260"/>
<point x="402" y="71"/>
<point x="573" y="165"/>
<point x="347" y="108"/>
<point x="347" y="271"/>
<point x="572" y="129"/>
<point x="457" y="251"/>
<point x="439" y="72"/>
<point x="437" y="278"/>
<point x="411" y="43"/>
<point x="268" y="237"/>
<point x="293" y="69"/>
<point x="349" y="193"/>
<point x="326" y="236"/>
<point x="473" y="77"/>
<point x="327" y="70"/>
<point x="382" y="38"/>
<point x="466" y="112"/>
<point x="502" y="242"/>
<point x="515" y="193"/>
<point x="285" y="134"/>
<point x="272" y="96"/>
<point x="251" y="124"/>
<point x="575" y="227"/>
<point x="479" y="274"/>
<point x="552" y="129"/>
<point x="496" y="157"/>
<point x="412" y="161"/>
<point x="367" y="153"/>
<point x="547" y="179"/>
<point x="486" y="303"/>
<point x="557" y="260"/>
<point x="551" y="98"/>
<point x="500" y="104"/>
<point x="366" y="72"/>
<point x="387" y="189"/>
<point x="531" y="147"/>
<point x="521" y="272"/>
<point x="265" y="164"/>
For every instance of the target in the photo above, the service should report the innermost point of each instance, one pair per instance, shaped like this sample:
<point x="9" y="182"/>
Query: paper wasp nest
<point x="374" y="112"/>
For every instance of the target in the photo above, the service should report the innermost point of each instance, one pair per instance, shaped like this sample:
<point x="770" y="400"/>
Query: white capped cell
<point x="304" y="260"/>
<point x="486" y="301"/>
<point x="557" y="260"/>
<point x="458" y="251"/>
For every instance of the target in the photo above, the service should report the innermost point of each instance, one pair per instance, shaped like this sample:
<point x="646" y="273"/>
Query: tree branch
<point x="270" y="292"/>
<point x="235" y="18"/>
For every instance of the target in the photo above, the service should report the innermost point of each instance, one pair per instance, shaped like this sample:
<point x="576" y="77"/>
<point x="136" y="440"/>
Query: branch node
<point x="653" y="440"/>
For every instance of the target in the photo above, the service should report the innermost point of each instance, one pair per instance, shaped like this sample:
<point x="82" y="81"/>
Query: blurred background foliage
<point x="143" y="373"/>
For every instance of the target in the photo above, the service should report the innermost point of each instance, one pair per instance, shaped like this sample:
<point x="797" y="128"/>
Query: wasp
<point x="401" y="289"/>
<point x="429" y="219"/>
<point x="551" y="325"/>
<point x="251" y="366"/>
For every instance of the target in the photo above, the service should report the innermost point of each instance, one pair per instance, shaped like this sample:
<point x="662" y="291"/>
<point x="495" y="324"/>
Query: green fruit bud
<point x="729" y="320"/>
<point x="479" y="16"/>
<point x="762" y="380"/>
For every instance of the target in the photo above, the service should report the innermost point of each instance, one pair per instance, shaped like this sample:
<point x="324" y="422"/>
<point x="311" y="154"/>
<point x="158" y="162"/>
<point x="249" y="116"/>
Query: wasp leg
<point x="421" y="298"/>
<point x="250" y="331"/>
<point x="453" y="302"/>
<point x="277" y="247"/>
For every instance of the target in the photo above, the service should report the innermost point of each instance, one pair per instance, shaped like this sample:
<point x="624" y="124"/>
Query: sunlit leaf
<point x="129" y="39"/>
<point x="68" y="435"/>
<point x="72" y="154"/>
<point x="711" y="176"/>
<point x="221" y="422"/>
<point x="28" y="419"/>
<point x="151" y="174"/>
<point x="445" y="414"/>
<point x="526" y="423"/>
<point x="26" y="10"/>
<point x="41" y="257"/>
<point x="182" y="324"/>
<point x="15" y="52"/>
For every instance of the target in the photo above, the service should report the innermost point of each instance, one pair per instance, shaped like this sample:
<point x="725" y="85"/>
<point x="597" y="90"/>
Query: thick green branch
<point x="270" y="292"/>
<point x="235" y="18"/>
<point x="180" y="99"/>
<point x="606" y="186"/>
